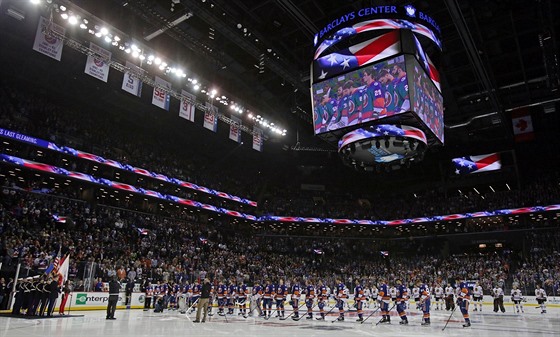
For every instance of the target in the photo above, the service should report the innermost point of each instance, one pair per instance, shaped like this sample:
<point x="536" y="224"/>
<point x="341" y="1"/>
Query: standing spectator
<point x="128" y="292"/>
<point x="114" y="288"/>
<point x="53" y="291"/>
<point x="203" y="301"/>
<point x="121" y="273"/>
<point x="3" y="292"/>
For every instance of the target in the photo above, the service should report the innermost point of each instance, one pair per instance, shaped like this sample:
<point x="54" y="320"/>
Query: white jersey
<point x="449" y="291"/>
<point x="516" y="295"/>
<point x="416" y="292"/>
<point x="374" y="292"/>
<point x="438" y="291"/>
<point x="497" y="292"/>
<point x="477" y="291"/>
<point x="367" y="292"/>
<point x="540" y="294"/>
<point x="393" y="292"/>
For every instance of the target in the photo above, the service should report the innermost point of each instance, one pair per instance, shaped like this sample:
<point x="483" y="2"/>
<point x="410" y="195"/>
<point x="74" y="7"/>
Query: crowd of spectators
<point x="105" y="241"/>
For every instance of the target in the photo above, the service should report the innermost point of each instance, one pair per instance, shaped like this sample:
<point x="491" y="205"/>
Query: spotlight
<point x="35" y="2"/>
<point x="62" y="8"/>
<point x="72" y="20"/>
<point x="151" y="57"/>
<point x="116" y="38"/>
<point x="196" y="87"/>
<point x="157" y="61"/>
<point x="135" y="54"/>
<point x="107" y="39"/>
<point x="104" y="31"/>
<point x="141" y="57"/>
<point x="98" y="34"/>
<point x="214" y="91"/>
<point x="83" y="26"/>
<point x="127" y="50"/>
<point x="64" y="16"/>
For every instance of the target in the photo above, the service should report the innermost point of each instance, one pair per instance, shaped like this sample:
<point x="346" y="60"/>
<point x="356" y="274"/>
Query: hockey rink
<point x="136" y="323"/>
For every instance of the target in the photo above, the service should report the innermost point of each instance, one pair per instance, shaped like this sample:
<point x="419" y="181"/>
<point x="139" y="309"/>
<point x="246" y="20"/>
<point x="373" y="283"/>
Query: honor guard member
<point x="478" y="296"/>
<point x="402" y="297"/>
<point x="540" y="294"/>
<point x="517" y="298"/>
<point x="281" y="294"/>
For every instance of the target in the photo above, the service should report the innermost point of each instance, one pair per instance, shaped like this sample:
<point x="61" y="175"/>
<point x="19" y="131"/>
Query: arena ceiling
<point x="493" y="58"/>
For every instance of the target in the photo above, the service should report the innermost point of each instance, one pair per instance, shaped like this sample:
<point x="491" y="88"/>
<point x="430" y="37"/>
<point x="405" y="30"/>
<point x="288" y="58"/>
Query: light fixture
<point x="157" y="61"/>
<point x="104" y="31"/>
<point x="72" y="20"/>
<point x="35" y="2"/>
<point x="64" y="16"/>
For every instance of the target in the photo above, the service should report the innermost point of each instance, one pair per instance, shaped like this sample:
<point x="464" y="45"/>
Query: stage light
<point x="233" y="107"/>
<point x="127" y="50"/>
<point x="64" y="16"/>
<point x="35" y="2"/>
<point x="62" y="8"/>
<point x="151" y="57"/>
<point x="91" y="31"/>
<point x="196" y="87"/>
<point x="104" y="31"/>
<point x="98" y="34"/>
<point x="142" y="57"/>
<point x="83" y="26"/>
<point x="157" y="61"/>
<point x="107" y="39"/>
<point x="116" y="38"/>
<point x="214" y="91"/>
<point x="72" y="20"/>
<point x="135" y="54"/>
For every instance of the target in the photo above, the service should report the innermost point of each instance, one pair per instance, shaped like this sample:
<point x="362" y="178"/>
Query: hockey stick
<point x="376" y="310"/>
<point x="300" y="317"/>
<point x="336" y="319"/>
<point x="389" y="313"/>
<point x="293" y="312"/>
<point x="187" y="312"/>
<point x="256" y="307"/>
<point x="452" y="311"/>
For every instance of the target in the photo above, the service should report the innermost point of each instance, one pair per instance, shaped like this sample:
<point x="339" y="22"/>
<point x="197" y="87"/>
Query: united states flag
<point x="358" y="55"/>
<point x="477" y="164"/>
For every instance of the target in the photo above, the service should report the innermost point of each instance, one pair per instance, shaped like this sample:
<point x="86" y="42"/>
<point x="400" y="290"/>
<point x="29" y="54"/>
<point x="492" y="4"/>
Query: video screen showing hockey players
<point x="360" y="96"/>
<point x="428" y="102"/>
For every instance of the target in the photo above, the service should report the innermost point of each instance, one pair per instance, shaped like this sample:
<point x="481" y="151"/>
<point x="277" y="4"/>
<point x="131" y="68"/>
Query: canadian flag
<point x="522" y="125"/>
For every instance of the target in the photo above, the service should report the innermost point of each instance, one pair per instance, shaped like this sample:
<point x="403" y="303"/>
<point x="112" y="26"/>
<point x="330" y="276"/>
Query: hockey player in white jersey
<point x="478" y="295"/>
<point x="438" y="294"/>
<point x="517" y="298"/>
<point x="540" y="294"/>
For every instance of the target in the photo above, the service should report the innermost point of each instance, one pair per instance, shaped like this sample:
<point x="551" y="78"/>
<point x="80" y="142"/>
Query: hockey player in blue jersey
<point x="242" y="293"/>
<point x="309" y="298"/>
<point x="384" y="298"/>
<point x="294" y="298"/>
<point x="281" y="293"/>
<point x="425" y="302"/>
<point x="322" y="298"/>
<point x="341" y="293"/>
<point x="402" y="297"/>
<point x="359" y="300"/>
<point x="463" y="300"/>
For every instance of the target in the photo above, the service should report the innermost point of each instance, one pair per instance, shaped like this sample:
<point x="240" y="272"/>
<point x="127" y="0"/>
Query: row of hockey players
<point x="262" y="298"/>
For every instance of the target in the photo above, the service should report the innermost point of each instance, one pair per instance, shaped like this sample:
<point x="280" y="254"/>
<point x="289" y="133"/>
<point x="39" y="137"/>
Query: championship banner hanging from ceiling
<point x="257" y="139"/>
<point x="47" y="44"/>
<point x="160" y="97"/>
<point x="186" y="108"/>
<point x="211" y="117"/>
<point x="234" y="129"/>
<point x="97" y="66"/>
<point x="131" y="82"/>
